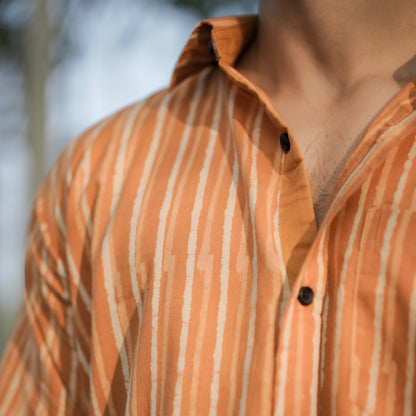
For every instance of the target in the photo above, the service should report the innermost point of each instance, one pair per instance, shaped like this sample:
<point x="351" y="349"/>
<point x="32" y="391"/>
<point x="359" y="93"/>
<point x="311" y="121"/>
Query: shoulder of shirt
<point x="87" y="153"/>
<point x="86" y="161"/>
<point x="212" y="40"/>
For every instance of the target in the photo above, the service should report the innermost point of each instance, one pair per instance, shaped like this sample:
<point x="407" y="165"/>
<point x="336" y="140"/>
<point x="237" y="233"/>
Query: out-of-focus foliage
<point x="205" y="7"/>
<point x="12" y="24"/>
<point x="15" y="14"/>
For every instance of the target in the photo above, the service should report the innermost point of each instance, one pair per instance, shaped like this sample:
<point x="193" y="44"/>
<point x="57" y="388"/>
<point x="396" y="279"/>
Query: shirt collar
<point x="213" y="40"/>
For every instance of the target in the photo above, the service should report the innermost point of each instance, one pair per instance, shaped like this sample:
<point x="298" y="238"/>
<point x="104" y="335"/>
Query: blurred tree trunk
<point x="37" y="64"/>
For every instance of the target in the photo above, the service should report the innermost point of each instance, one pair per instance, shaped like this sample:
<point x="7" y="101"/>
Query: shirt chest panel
<point x="366" y="259"/>
<point x="206" y="267"/>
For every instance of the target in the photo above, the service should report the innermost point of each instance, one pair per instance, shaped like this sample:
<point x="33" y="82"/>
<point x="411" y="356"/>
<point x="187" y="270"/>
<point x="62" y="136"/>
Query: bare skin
<point x="329" y="67"/>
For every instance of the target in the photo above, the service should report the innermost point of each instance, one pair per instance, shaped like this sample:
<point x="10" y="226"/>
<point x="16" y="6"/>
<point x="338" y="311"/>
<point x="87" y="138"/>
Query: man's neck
<point x="336" y="44"/>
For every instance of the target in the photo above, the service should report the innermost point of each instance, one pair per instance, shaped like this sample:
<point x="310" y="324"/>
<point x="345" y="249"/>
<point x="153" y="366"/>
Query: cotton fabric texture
<point x="170" y="242"/>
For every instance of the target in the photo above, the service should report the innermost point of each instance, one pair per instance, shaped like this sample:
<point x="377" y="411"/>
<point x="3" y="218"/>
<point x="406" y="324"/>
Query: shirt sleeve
<point x="39" y="371"/>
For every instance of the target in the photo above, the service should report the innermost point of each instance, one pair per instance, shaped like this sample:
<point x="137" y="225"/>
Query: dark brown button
<point x="285" y="142"/>
<point x="305" y="296"/>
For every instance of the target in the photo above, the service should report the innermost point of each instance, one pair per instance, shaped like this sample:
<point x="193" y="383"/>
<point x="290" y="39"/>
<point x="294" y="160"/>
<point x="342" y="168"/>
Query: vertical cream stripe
<point x="281" y="364"/>
<point x="69" y="316"/>
<point x="121" y="156"/>
<point x="198" y="144"/>
<point x="29" y="384"/>
<point x="95" y="406"/>
<point x="283" y="361"/>
<point x="317" y="308"/>
<point x="15" y="382"/>
<point x="410" y="363"/>
<point x="224" y="275"/>
<point x="164" y="212"/>
<point x="61" y="405"/>
<point x="273" y="250"/>
<point x="129" y="393"/>
<point x="50" y="333"/>
<point x="389" y="365"/>
<point x="205" y="264"/>
<point x="72" y="267"/>
<point x="243" y="262"/>
<point x="107" y="251"/>
<point x="68" y="170"/>
<point x="131" y="402"/>
<point x="253" y="300"/>
<point x="76" y="279"/>
<point x="86" y="173"/>
<point x="341" y="295"/>
<point x="323" y="340"/>
<point x="381" y="283"/>
<point x="354" y="383"/>
<point x="169" y="131"/>
<point x="148" y="165"/>
<point x="191" y="250"/>
<point x="98" y="378"/>
<point x="77" y="354"/>
<point x="243" y="270"/>
<point x="279" y="250"/>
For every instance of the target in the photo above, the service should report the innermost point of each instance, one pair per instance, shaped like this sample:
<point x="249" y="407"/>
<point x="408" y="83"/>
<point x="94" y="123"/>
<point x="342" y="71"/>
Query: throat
<point x="326" y="135"/>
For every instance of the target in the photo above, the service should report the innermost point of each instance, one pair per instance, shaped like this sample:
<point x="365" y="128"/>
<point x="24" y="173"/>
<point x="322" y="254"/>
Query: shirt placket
<point x="298" y="330"/>
<point x="298" y="346"/>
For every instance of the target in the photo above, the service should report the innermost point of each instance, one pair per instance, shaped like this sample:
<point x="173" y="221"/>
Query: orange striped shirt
<point x="174" y="265"/>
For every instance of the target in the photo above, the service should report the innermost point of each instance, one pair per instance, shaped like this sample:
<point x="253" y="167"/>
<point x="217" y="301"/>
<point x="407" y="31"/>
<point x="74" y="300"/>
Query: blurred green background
<point x="65" y="64"/>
